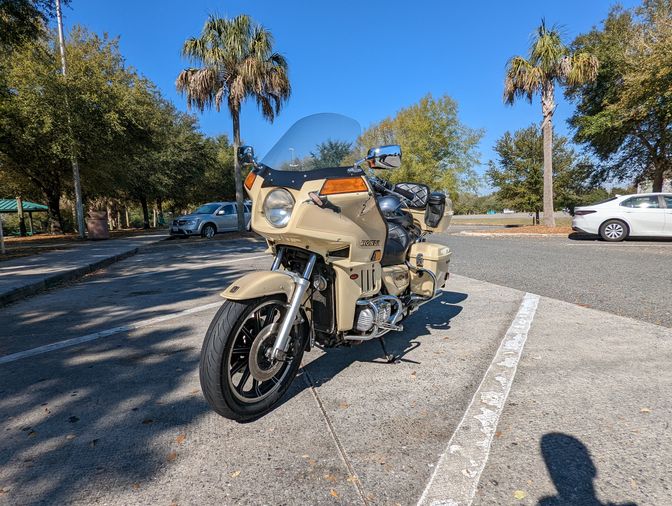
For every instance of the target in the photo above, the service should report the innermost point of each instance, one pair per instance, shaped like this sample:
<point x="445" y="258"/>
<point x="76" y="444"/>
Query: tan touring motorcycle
<point x="351" y="261"/>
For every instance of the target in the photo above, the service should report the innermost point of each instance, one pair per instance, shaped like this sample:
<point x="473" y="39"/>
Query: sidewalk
<point x="32" y="274"/>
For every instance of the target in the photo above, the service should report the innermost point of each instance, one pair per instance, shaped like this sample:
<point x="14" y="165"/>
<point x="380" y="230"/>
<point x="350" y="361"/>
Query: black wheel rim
<point x="243" y="385"/>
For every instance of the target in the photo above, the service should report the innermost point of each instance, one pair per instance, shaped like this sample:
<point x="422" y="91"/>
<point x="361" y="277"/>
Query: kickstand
<point x="391" y="359"/>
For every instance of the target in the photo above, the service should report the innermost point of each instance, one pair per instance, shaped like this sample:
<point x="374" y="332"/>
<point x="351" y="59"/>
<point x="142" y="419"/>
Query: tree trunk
<point x="536" y="217"/>
<point x="54" y="212"/>
<point x="159" y="209"/>
<point x="547" y="108"/>
<point x="145" y="212"/>
<point x="235" y="114"/>
<point x="128" y="218"/>
<point x="658" y="175"/>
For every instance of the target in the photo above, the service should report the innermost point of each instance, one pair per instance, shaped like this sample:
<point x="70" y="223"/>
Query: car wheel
<point x="614" y="230"/>
<point x="208" y="231"/>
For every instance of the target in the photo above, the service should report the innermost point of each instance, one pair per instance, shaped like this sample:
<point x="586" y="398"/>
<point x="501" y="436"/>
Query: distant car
<point x="210" y="219"/>
<point x="640" y="215"/>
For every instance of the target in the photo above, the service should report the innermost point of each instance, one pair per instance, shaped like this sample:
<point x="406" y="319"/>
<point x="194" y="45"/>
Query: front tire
<point x="208" y="231"/>
<point x="237" y="380"/>
<point x="614" y="230"/>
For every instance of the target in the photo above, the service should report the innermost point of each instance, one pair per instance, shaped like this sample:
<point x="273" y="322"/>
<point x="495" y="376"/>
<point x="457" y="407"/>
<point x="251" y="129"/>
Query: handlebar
<point x="386" y="187"/>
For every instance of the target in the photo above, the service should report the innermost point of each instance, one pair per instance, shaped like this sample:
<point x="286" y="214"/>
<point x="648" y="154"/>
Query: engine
<point x="377" y="315"/>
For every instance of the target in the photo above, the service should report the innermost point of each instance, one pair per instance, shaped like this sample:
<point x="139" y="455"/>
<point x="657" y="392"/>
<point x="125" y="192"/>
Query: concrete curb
<point x="53" y="280"/>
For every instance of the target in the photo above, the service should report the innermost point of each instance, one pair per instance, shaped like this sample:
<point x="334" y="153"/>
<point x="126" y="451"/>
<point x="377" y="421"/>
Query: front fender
<point x="259" y="284"/>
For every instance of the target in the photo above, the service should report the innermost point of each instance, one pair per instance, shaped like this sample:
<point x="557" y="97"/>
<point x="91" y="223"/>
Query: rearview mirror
<point x="385" y="157"/>
<point x="246" y="155"/>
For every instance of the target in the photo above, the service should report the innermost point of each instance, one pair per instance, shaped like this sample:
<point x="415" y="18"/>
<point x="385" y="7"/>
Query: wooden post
<point x="30" y="222"/>
<point x="128" y="221"/>
<point x="22" y="220"/>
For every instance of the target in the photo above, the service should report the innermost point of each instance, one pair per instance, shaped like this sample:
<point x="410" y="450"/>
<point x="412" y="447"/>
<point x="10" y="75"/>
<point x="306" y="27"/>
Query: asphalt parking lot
<point x="506" y="393"/>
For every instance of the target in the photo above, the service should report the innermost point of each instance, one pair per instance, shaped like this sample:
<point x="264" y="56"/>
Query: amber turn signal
<point x="377" y="255"/>
<point x="343" y="185"/>
<point x="249" y="180"/>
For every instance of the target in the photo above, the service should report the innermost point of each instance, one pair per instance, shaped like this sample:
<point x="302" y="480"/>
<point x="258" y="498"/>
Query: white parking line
<point x="123" y="328"/>
<point x="458" y="472"/>
<point x="104" y="333"/>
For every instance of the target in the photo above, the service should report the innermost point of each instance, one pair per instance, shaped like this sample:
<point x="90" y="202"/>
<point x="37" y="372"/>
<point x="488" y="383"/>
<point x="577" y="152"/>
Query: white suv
<point x="640" y="215"/>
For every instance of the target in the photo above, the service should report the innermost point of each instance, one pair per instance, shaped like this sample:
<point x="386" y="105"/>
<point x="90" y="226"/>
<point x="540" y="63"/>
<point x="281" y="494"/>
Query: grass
<point x="531" y="229"/>
<point x="503" y="221"/>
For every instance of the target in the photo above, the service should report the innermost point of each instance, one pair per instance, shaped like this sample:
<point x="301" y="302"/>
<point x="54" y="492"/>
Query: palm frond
<point x="547" y="49"/>
<point x="579" y="68"/>
<point x="237" y="61"/>
<point x="522" y="79"/>
<point x="200" y="87"/>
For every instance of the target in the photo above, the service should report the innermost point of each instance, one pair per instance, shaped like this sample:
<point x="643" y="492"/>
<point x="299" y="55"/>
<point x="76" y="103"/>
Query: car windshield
<point x="316" y="142"/>
<point x="207" y="209"/>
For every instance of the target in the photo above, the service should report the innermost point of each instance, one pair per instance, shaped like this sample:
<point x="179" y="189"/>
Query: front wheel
<point x="208" y="231"/>
<point x="238" y="380"/>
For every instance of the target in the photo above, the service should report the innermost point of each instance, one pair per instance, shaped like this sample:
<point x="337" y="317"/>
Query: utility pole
<point x="79" y="205"/>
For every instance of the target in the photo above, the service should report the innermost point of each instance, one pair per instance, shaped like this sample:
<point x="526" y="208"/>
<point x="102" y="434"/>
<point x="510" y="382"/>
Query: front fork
<point x="301" y="284"/>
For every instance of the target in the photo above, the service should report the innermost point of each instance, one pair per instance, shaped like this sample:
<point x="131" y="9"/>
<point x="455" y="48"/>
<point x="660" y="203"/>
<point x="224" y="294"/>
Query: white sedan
<point x="640" y="215"/>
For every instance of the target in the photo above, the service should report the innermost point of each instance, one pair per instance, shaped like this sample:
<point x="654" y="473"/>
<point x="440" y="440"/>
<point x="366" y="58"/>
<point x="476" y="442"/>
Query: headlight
<point x="278" y="207"/>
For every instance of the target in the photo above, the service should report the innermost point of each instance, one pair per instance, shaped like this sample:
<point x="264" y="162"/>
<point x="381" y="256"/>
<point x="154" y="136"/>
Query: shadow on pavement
<point x="82" y="425"/>
<point x="572" y="470"/>
<point x="149" y="285"/>
<point x="79" y="425"/>
<point x="335" y="360"/>
<point x="581" y="236"/>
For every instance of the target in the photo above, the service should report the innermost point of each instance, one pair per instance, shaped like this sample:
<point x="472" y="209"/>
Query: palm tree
<point x="237" y="61"/>
<point x="550" y="62"/>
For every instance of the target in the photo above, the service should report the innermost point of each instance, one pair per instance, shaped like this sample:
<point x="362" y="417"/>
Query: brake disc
<point x="261" y="367"/>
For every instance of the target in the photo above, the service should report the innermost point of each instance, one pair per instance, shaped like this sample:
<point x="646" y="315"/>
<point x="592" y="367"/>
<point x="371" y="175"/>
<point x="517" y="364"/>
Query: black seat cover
<point x="396" y="246"/>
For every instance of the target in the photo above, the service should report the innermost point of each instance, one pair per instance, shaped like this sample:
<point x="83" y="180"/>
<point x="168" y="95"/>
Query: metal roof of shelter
<point x="9" y="206"/>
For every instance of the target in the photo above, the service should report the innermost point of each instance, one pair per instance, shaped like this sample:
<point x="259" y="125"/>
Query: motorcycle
<point x="351" y="261"/>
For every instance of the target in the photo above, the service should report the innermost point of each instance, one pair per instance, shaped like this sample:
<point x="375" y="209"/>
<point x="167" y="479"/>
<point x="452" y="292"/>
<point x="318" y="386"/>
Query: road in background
<point x="631" y="278"/>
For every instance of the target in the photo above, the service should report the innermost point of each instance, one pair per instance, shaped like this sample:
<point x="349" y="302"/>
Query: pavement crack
<point x="339" y="446"/>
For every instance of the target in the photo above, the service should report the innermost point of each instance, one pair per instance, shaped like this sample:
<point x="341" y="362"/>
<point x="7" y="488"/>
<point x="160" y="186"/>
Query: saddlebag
<point x="436" y="207"/>
<point x="431" y="257"/>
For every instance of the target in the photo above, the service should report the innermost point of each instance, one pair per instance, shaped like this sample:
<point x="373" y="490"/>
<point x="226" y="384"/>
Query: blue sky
<point x="364" y="59"/>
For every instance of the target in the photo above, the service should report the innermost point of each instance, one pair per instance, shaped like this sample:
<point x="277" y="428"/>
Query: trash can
<point x="96" y="224"/>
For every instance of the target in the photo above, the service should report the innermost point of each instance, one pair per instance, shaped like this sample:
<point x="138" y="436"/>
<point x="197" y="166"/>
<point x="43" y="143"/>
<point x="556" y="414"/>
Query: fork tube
<point x="301" y="285"/>
<point x="278" y="259"/>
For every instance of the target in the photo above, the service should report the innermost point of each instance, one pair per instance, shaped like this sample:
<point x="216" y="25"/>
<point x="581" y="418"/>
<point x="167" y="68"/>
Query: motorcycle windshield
<point x="315" y="142"/>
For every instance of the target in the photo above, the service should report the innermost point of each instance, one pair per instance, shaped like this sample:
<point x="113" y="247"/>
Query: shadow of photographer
<point x="572" y="470"/>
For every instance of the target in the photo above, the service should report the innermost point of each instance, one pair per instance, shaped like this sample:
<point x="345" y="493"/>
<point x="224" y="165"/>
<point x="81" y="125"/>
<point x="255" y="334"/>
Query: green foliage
<point x="330" y="154"/>
<point x="518" y="172"/>
<point x="131" y="144"/>
<point x="471" y="203"/>
<point x="23" y="21"/>
<point x="437" y="148"/>
<point x="625" y="116"/>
